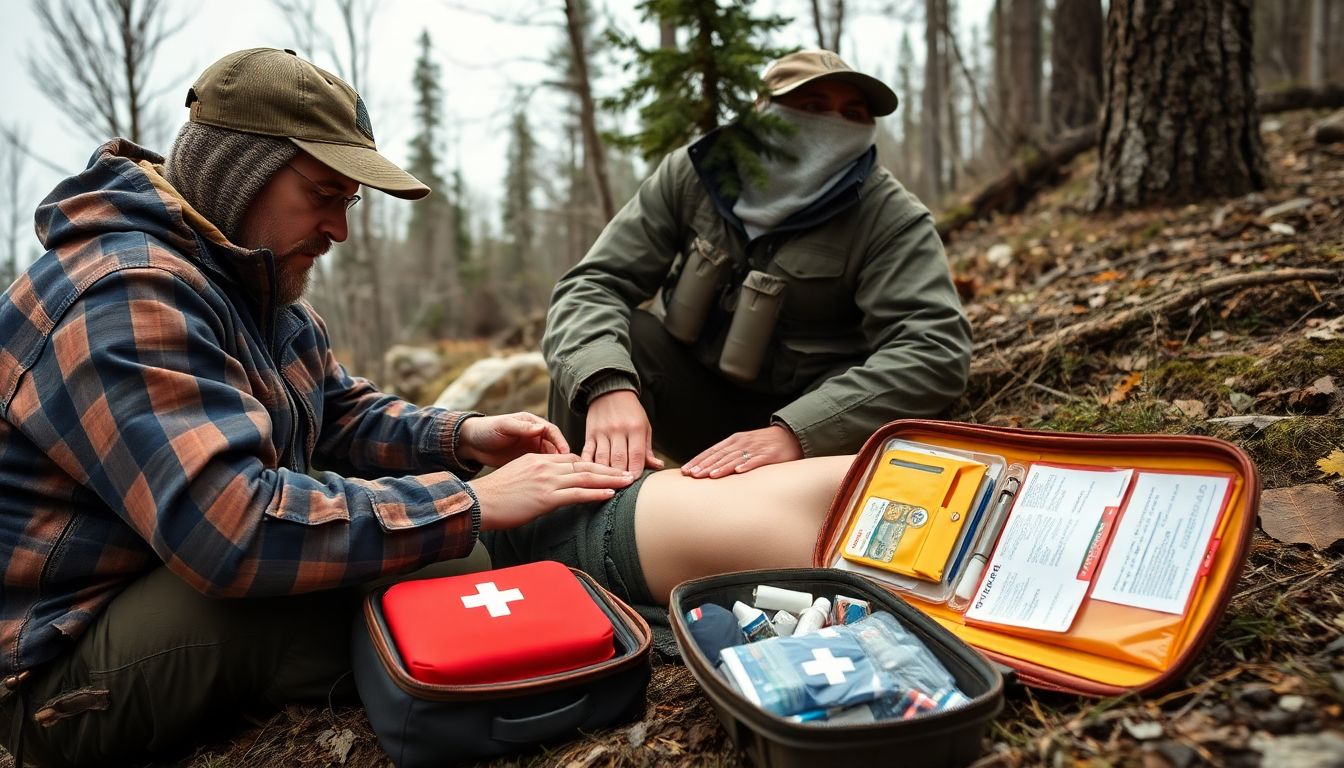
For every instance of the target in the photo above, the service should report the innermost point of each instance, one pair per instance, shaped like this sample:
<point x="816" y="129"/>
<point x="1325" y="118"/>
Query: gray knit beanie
<point x="220" y="171"/>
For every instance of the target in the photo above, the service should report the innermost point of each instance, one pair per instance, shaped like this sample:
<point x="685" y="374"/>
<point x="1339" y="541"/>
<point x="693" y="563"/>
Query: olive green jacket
<point x="871" y="328"/>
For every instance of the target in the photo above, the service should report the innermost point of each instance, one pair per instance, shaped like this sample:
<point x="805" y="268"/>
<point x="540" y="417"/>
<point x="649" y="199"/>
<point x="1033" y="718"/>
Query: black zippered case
<point x="936" y="740"/>
<point x="424" y="725"/>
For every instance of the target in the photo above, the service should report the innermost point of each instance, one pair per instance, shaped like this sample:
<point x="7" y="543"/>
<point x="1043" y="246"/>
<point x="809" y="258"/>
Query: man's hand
<point x="618" y="433"/>
<point x="744" y="451"/>
<point x="496" y="440"/>
<point x="529" y="487"/>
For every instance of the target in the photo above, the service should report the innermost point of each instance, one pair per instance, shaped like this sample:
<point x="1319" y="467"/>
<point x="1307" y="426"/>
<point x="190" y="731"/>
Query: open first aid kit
<point x="1091" y="564"/>
<point x="857" y="677"/>
<point x="1094" y="564"/>
<point x="466" y="667"/>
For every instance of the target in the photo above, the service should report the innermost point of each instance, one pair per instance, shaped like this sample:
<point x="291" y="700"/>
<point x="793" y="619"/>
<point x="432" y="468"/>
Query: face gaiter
<point x="819" y="153"/>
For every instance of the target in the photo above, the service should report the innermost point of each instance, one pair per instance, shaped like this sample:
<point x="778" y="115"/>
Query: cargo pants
<point x="163" y="666"/>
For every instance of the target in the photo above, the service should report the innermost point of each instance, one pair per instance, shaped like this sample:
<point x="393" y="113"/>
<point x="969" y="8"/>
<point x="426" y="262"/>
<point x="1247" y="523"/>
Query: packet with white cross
<point x="820" y="670"/>
<point x="873" y="662"/>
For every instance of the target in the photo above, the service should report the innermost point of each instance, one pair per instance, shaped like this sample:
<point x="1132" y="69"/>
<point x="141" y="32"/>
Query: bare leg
<point x="766" y="518"/>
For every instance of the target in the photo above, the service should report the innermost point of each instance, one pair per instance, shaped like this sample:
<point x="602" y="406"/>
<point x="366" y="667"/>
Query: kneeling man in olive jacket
<point x="797" y="315"/>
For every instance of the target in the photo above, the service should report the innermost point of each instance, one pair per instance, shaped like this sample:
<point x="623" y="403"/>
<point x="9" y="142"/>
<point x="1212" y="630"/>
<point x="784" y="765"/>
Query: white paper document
<point x="1039" y="573"/>
<point x="1161" y="541"/>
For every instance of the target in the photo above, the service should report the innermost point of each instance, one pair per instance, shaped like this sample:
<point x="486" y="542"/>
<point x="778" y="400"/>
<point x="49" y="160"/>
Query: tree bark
<point x="1075" y="64"/>
<point x="933" y="97"/>
<point x="1015" y="187"/>
<point x="592" y="143"/>
<point x="1179" y="121"/>
<point x="1025" y="68"/>
<point x="1318" y="52"/>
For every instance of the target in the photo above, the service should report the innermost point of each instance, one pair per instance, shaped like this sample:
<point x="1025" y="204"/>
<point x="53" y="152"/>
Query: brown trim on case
<point x="433" y="692"/>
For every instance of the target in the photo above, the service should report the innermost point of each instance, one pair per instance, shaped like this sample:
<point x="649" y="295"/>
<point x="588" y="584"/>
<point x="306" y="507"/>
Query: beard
<point x="293" y="269"/>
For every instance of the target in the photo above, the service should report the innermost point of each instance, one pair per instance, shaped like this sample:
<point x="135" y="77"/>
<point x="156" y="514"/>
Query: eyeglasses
<point x="325" y="197"/>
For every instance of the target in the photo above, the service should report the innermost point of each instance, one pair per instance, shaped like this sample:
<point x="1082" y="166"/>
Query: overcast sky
<point x="484" y="60"/>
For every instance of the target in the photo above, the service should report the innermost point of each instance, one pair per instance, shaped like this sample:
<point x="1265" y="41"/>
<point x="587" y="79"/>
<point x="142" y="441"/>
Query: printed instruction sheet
<point x="1161" y="541"/>
<point x="1040" y="570"/>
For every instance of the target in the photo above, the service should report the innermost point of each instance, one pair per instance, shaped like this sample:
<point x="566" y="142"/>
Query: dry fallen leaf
<point x="1303" y="514"/>
<point x="1123" y="389"/>
<point x="1191" y="409"/>
<point x="1332" y="464"/>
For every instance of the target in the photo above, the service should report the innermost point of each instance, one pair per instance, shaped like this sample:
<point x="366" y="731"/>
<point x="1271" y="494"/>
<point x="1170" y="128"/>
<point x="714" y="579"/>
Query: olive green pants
<point x="163" y="666"/>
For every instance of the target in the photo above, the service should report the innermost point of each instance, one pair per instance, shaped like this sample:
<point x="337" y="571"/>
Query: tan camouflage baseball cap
<point x="797" y="69"/>
<point x="273" y="92"/>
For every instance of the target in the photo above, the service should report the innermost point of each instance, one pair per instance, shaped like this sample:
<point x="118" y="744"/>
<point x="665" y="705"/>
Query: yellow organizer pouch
<point x="911" y="512"/>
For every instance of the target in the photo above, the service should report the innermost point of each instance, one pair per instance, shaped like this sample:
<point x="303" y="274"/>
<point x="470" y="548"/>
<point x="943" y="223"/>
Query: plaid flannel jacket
<point x="157" y="407"/>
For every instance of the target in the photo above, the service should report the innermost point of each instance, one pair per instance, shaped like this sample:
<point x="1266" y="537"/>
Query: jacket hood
<point x="123" y="190"/>
<point x="115" y="193"/>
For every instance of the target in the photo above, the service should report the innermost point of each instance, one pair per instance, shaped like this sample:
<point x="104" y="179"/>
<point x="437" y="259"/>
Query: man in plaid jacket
<point x="175" y="430"/>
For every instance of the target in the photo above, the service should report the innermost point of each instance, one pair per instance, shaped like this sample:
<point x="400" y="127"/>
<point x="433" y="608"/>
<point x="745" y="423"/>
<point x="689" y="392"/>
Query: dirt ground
<point x="1224" y="318"/>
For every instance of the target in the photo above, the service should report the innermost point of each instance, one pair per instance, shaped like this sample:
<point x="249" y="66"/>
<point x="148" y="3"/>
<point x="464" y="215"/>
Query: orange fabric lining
<point x="1107" y="643"/>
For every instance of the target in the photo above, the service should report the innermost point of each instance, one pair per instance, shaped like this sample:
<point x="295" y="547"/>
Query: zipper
<point x="438" y="692"/>
<point x="295" y="400"/>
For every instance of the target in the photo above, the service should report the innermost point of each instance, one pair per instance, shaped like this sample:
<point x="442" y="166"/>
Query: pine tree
<point x="424" y="145"/>
<point x="429" y="299"/>
<point x="519" y="215"/>
<point x="711" y="80"/>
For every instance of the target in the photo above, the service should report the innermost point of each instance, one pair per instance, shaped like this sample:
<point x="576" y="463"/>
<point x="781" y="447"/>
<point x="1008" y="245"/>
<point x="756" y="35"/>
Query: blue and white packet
<point x="903" y="659"/>
<point x="822" y="670"/>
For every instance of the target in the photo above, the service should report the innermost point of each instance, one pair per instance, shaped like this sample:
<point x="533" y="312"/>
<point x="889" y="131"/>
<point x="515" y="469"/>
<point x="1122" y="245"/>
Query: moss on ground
<point x="1180" y="379"/>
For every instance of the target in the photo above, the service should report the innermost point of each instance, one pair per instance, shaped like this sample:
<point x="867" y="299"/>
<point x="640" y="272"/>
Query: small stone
<point x="1144" y="731"/>
<point x="999" y="255"/>
<point x="1279" y="228"/>
<point x="1292" y="703"/>
<point x="1241" y="402"/>
<point x="637" y="734"/>
<point x="1308" y="750"/>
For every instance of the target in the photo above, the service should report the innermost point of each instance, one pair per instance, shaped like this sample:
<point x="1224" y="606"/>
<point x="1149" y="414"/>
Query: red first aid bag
<point x="497" y="626"/>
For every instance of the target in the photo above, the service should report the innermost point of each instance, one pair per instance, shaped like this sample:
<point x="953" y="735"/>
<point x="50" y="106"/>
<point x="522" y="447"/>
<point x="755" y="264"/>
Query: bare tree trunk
<point x="1000" y="92"/>
<point x="1025" y="70"/>
<point x="973" y="75"/>
<point x="817" y="22"/>
<point x="1318" y="52"/>
<point x="950" y="96"/>
<point x="933" y="97"/>
<point x="829" y="39"/>
<point x="594" y="154"/>
<point x="837" y="25"/>
<point x="1075" y="64"/>
<point x="1179" y="121"/>
<point x="17" y="212"/>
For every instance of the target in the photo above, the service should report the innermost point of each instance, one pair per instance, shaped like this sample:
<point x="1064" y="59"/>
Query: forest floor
<point x="1224" y="318"/>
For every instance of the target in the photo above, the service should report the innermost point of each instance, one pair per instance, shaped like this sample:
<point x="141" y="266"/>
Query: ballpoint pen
<point x="984" y="543"/>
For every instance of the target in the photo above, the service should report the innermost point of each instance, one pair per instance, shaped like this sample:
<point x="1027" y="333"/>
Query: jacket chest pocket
<point x="819" y="290"/>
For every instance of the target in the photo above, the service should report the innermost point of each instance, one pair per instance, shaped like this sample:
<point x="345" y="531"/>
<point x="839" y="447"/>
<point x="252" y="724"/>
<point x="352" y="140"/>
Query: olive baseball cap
<point x="798" y="69"/>
<point x="273" y="92"/>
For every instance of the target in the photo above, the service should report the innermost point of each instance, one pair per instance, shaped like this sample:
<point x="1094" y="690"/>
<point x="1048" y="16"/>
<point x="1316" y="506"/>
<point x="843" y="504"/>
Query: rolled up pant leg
<point x="163" y="665"/>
